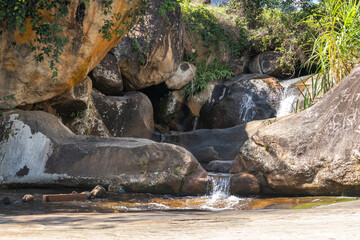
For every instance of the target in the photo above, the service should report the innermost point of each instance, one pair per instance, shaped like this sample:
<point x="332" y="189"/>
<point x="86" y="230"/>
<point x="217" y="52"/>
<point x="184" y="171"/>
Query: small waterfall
<point x="289" y="96"/>
<point x="162" y="138"/>
<point x="219" y="197"/>
<point x="196" y="122"/>
<point x="220" y="185"/>
<point x="246" y="110"/>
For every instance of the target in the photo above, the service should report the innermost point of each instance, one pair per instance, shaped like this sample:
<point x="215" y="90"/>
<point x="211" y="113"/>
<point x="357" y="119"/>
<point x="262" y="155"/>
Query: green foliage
<point x="45" y="19"/>
<point x="206" y="73"/>
<point x="201" y="21"/>
<point x="285" y="33"/>
<point x="168" y="6"/>
<point x="109" y="27"/>
<point x="6" y="106"/>
<point x="336" y="49"/>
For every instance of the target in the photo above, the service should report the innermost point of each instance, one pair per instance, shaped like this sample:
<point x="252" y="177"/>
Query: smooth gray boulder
<point x="213" y="144"/>
<point x="35" y="148"/>
<point x="315" y="152"/>
<point x="106" y="76"/>
<point x="248" y="97"/>
<point x="128" y="116"/>
<point x="222" y="166"/>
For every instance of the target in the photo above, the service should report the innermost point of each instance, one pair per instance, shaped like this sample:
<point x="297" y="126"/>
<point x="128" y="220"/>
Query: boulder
<point x="152" y="53"/>
<point x="244" y="184"/>
<point x="127" y="116"/>
<point x="87" y="122"/>
<point x="30" y="81"/>
<point x="185" y="74"/>
<point x="74" y="99"/>
<point x="269" y="63"/>
<point x="213" y="144"/>
<point x="98" y="191"/>
<point x="28" y="198"/>
<point x="249" y="97"/>
<point x="219" y="166"/>
<point x="106" y="76"/>
<point x="314" y="152"/>
<point x="35" y="148"/>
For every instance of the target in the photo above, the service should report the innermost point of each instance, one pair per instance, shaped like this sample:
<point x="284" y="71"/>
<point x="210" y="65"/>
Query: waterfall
<point x="246" y="110"/>
<point x="220" y="185"/>
<point x="289" y="96"/>
<point x="196" y="122"/>
<point x="219" y="197"/>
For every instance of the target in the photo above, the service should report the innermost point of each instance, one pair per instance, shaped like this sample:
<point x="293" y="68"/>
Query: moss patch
<point x="321" y="201"/>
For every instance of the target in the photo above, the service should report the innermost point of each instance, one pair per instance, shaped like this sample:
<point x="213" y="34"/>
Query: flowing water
<point x="218" y="198"/>
<point x="247" y="110"/>
<point x="289" y="96"/>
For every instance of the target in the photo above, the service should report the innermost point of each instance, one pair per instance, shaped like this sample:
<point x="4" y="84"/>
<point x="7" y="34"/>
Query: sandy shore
<point x="337" y="221"/>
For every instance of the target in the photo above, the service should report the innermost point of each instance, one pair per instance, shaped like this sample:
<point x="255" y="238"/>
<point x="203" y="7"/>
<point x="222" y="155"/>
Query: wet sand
<point x="336" y="221"/>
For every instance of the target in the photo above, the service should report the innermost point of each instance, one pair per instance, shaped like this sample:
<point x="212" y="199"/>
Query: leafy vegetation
<point x="201" y="21"/>
<point x="337" y="47"/>
<point x="6" y="106"/>
<point x="45" y="18"/>
<point x="206" y="73"/>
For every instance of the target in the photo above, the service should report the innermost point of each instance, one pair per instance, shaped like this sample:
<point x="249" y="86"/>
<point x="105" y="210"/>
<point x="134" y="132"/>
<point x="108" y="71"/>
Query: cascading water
<point x="247" y="110"/>
<point x="219" y="193"/>
<point x="288" y="99"/>
<point x="196" y="122"/>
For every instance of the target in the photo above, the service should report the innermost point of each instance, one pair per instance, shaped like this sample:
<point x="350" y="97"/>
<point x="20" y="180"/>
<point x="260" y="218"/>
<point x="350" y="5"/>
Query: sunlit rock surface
<point x="30" y="81"/>
<point x="35" y="148"/>
<point x="316" y="151"/>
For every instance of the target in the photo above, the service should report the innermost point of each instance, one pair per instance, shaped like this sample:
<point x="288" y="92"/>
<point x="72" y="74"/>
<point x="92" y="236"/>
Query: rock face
<point x="214" y="144"/>
<point x="87" y="122"/>
<point x="36" y="148"/>
<point x="158" y="47"/>
<point x="185" y="74"/>
<point x="249" y="97"/>
<point x="127" y="116"/>
<point x="74" y="99"/>
<point x="30" y="81"/>
<point x="219" y="166"/>
<point x="106" y="76"/>
<point x="244" y="183"/>
<point x="269" y="63"/>
<point x="316" y="151"/>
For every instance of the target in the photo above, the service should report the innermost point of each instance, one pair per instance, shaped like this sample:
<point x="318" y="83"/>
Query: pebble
<point x="28" y="198"/>
<point x="99" y="191"/>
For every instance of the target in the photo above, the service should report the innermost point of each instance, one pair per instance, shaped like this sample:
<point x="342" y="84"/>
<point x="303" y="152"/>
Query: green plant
<point x="336" y="49"/>
<point x="202" y="22"/>
<point x="78" y="114"/>
<point x="45" y="18"/>
<point x="207" y="73"/>
<point x="168" y="6"/>
<point x="6" y="106"/>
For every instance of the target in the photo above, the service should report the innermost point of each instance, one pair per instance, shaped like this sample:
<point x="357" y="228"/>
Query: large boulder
<point x="316" y="151"/>
<point x="151" y="54"/>
<point x="185" y="74"/>
<point x="35" y="148"/>
<point x="213" y="144"/>
<point x="73" y="100"/>
<point x="87" y="122"/>
<point x="128" y="116"/>
<point x="249" y="97"/>
<point x="270" y="63"/>
<point x="30" y="81"/>
<point x="106" y="76"/>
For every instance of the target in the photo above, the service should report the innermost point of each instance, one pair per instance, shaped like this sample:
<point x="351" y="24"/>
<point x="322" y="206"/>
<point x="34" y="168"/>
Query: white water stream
<point x="289" y="97"/>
